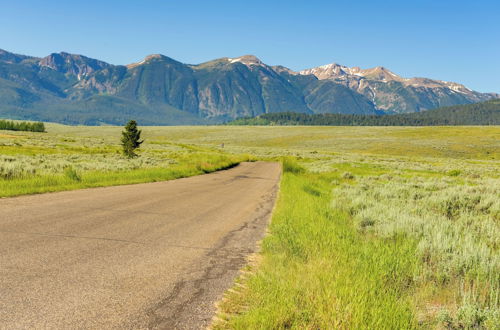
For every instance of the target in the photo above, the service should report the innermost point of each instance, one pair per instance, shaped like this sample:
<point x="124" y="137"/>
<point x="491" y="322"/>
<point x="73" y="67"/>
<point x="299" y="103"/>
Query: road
<point x="145" y="256"/>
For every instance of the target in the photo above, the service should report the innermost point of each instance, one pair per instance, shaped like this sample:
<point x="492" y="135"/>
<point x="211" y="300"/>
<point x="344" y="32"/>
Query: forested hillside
<point x="485" y="113"/>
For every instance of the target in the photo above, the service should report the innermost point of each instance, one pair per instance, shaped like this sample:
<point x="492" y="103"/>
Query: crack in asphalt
<point x="115" y="239"/>
<point x="174" y="313"/>
<point x="71" y="236"/>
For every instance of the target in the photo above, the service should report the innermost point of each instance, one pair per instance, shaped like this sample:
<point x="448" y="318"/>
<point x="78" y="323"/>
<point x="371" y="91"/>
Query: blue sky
<point x="448" y="40"/>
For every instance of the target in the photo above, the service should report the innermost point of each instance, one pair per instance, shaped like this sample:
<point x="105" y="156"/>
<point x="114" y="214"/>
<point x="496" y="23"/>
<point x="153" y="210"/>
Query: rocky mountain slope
<point x="159" y="90"/>
<point x="392" y="93"/>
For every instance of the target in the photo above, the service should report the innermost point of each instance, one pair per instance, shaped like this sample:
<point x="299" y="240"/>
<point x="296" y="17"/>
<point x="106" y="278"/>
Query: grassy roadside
<point x="68" y="158"/>
<point x="374" y="248"/>
<point x="71" y="179"/>
<point x="318" y="272"/>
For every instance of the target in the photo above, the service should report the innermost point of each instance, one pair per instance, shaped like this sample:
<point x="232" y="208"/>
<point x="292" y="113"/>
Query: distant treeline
<point x="485" y="113"/>
<point x="21" y="126"/>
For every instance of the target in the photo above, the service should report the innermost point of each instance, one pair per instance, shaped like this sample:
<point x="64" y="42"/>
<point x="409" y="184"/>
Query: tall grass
<point x="456" y="226"/>
<point x="290" y="165"/>
<point x="318" y="272"/>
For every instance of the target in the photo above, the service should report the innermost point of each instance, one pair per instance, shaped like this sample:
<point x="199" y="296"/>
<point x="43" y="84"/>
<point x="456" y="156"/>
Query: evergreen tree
<point x="22" y="126"/>
<point x="131" y="139"/>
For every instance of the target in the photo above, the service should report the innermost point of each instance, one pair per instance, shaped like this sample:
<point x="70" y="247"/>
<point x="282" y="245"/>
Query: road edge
<point x="251" y="265"/>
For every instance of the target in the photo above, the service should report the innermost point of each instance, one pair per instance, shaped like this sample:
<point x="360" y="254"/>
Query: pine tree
<point x="131" y="137"/>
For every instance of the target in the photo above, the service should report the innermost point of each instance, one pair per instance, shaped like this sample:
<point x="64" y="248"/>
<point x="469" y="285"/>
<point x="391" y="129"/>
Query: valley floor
<point x="375" y="227"/>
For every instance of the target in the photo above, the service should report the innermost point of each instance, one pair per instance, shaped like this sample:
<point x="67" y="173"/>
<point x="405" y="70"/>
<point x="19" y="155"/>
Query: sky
<point x="440" y="39"/>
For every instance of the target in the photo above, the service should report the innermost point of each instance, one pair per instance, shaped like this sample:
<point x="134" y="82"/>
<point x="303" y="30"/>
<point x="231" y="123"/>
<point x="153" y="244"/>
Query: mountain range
<point x="159" y="90"/>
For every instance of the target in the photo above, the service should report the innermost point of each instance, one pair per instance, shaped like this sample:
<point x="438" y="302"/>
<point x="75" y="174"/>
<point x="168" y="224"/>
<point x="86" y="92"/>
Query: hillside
<point x="75" y="89"/>
<point x="485" y="113"/>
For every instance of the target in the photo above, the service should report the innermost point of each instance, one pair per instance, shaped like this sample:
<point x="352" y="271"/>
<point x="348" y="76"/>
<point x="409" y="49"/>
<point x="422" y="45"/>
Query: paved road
<point x="154" y="255"/>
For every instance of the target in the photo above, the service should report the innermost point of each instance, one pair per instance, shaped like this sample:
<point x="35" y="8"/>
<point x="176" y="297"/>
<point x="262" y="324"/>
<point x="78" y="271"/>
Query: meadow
<point x="375" y="227"/>
<point x="67" y="158"/>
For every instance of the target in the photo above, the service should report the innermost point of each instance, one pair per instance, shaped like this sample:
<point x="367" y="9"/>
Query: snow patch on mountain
<point x="247" y="60"/>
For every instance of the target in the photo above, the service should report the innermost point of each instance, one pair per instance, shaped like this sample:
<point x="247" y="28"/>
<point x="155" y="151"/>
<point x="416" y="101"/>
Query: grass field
<point x="66" y="158"/>
<point x="375" y="227"/>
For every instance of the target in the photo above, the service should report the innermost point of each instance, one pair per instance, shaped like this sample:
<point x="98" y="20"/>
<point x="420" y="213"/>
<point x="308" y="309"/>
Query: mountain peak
<point x="331" y="66"/>
<point x="155" y="57"/>
<point x="327" y="71"/>
<point x="152" y="58"/>
<point x="9" y="57"/>
<point x="281" y="69"/>
<point x="74" y="64"/>
<point x="380" y="73"/>
<point x="246" y="59"/>
<point x="337" y="71"/>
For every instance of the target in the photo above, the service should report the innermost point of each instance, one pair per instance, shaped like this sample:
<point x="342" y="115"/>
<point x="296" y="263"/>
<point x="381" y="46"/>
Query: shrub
<point x="70" y="172"/>
<point x="348" y="176"/>
<point x="366" y="222"/>
<point x="10" y="169"/>
<point x="291" y="166"/>
<point x="454" y="173"/>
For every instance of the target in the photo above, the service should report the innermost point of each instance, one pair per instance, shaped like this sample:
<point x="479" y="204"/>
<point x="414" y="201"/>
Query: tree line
<point x="485" y="113"/>
<point x="22" y="126"/>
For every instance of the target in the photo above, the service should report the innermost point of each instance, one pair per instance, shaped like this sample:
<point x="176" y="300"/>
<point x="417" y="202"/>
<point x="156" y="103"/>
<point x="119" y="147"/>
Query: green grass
<point x="375" y="227"/>
<point x="67" y="158"/>
<point x="318" y="272"/>
<point x="371" y="250"/>
<point x="71" y="179"/>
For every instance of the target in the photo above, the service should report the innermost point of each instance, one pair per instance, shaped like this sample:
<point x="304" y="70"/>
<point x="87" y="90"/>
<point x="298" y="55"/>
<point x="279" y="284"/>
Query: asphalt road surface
<point x="146" y="256"/>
